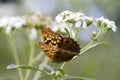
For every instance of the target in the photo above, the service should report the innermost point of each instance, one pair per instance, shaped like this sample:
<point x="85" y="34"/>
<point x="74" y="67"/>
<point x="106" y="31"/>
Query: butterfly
<point x="59" y="49"/>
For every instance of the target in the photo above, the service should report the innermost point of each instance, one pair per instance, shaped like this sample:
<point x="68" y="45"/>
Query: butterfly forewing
<point x="50" y="37"/>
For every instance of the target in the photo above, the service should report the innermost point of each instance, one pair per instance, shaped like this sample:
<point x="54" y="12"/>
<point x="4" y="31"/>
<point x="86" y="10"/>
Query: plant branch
<point x="31" y="56"/>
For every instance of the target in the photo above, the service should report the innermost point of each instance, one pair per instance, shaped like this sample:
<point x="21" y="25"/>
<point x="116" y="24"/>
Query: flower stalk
<point x="15" y="56"/>
<point x="31" y="58"/>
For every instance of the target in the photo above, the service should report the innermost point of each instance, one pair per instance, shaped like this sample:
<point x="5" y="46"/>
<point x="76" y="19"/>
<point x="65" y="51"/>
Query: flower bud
<point x="94" y="34"/>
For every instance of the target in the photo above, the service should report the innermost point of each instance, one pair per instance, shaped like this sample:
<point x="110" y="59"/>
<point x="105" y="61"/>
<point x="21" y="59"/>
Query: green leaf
<point x="27" y="67"/>
<point x="46" y="67"/>
<point x="12" y="66"/>
<point x="92" y="46"/>
<point x="76" y="78"/>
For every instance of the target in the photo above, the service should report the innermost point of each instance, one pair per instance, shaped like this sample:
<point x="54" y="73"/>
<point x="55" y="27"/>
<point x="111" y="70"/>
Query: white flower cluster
<point x="78" y="19"/>
<point x="59" y="27"/>
<point x="12" y="22"/>
<point x="105" y="23"/>
<point x="68" y="16"/>
<point x="9" y="23"/>
<point x="37" y="19"/>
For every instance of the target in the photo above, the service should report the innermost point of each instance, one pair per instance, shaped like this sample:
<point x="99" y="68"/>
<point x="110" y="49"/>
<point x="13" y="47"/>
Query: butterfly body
<point x="57" y="48"/>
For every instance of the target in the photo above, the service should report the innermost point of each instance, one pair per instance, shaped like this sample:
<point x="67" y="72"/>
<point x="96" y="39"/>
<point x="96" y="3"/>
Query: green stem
<point x="55" y="78"/>
<point x="77" y="30"/>
<point x="16" y="58"/>
<point x="91" y="42"/>
<point x="69" y="29"/>
<point x="38" y="73"/>
<point x="38" y="57"/>
<point x="63" y="65"/>
<point x="99" y="33"/>
<point x="30" y="60"/>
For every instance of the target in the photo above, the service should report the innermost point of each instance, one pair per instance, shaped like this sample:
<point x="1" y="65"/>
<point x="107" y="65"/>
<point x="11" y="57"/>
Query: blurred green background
<point x="101" y="62"/>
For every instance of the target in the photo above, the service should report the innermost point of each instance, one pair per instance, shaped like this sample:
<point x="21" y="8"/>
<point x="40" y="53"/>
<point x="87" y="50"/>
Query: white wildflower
<point x="89" y="18"/>
<point x="69" y="16"/>
<point x="8" y="30"/>
<point x="84" y="25"/>
<point x="76" y="18"/>
<point x="4" y="22"/>
<point x="32" y="34"/>
<point x="114" y="28"/>
<point x="62" y="15"/>
<point x="109" y="24"/>
<point x="18" y="22"/>
<point x="59" y="27"/>
<point x="66" y="12"/>
<point x="78" y="24"/>
<point x="9" y="22"/>
<point x="79" y="16"/>
<point x="59" y="18"/>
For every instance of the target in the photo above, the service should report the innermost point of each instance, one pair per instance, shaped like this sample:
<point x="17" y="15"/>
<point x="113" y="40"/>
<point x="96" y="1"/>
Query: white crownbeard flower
<point x="79" y="14"/>
<point x="60" y="17"/>
<point x="77" y="18"/>
<point x="81" y="22"/>
<point x="71" y="17"/>
<point x="66" y="12"/>
<point x="33" y="34"/>
<point x="9" y="22"/>
<point x="78" y="24"/>
<point x="67" y="18"/>
<point x="100" y="19"/>
<point x="114" y="28"/>
<point x="89" y="18"/>
<point x="74" y="17"/>
<point x="59" y="27"/>
<point x="109" y="24"/>
<point x="17" y="22"/>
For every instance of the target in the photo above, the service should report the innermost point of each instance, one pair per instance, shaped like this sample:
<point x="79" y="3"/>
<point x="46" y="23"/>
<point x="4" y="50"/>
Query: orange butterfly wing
<point x="57" y="48"/>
